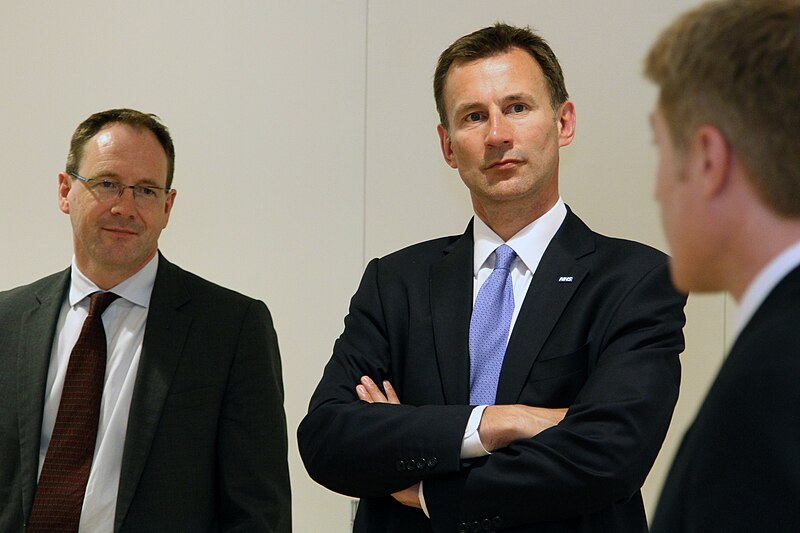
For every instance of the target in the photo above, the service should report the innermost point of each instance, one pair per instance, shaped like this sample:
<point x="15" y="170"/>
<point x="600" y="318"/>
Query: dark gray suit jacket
<point x="206" y="445"/>
<point x="599" y="332"/>
<point x="738" y="468"/>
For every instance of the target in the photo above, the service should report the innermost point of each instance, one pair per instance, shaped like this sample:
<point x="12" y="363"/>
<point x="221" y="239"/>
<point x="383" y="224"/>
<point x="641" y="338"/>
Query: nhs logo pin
<point x="565" y="279"/>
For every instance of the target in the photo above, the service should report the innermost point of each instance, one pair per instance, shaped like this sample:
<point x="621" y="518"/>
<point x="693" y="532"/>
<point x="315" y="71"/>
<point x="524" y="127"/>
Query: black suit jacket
<point x="206" y="443"/>
<point x="738" y="468"/>
<point x="599" y="332"/>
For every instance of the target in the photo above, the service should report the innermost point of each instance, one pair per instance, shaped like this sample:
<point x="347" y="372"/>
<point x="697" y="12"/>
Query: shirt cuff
<point x="471" y="445"/>
<point x="422" y="500"/>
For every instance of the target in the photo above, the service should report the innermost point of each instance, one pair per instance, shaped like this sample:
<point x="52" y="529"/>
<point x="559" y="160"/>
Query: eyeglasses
<point x="107" y="190"/>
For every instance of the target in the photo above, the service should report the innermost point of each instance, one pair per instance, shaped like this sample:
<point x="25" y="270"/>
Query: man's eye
<point x="105" y="184"/>
<point x="518" y="108"/>
<point x="145" y="191"/>
<point x="473" y="117"/>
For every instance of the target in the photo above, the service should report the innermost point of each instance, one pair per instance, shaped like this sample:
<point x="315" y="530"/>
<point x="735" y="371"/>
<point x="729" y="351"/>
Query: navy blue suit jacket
<point x="599" y="332"/>
<point x="738" y="468"/>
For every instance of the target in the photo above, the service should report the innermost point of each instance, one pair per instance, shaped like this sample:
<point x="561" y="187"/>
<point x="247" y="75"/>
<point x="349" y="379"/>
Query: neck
<point x="107" y="277"/>
<point x="760" y="238"/>
<point x="506" y="221"/>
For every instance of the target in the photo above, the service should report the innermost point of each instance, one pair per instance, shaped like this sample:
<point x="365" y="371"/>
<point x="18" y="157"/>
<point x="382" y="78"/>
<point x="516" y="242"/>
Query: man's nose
<point x="500" y="131"/>
<point x="124" y="203"/>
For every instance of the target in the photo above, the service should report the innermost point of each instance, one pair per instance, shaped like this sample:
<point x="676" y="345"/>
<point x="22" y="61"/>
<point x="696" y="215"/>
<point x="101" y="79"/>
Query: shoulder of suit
<point x="199" y="286"/>
<point x="53" y="282"/>
<point x="628" y="251"/>
<point x="432" y="249"/>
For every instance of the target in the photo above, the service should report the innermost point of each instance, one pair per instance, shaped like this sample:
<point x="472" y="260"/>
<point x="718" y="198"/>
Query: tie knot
<point x="504" y="255"/>
<point x="100" y="302"/>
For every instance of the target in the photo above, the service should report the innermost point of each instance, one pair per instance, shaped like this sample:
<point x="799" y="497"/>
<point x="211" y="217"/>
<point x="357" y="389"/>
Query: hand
<point x="369" y="392"/>
<point x="503" y="424"/>
<point x="409" y="497"/>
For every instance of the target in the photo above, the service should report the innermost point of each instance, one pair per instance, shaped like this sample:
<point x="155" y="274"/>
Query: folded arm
<point x="602" y="451"/>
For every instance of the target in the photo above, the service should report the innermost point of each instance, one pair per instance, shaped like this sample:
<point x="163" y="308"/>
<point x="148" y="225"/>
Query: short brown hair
<point x="735" y="64"/>
<point x="496" y="40"/>
<point x="136" y="119"/>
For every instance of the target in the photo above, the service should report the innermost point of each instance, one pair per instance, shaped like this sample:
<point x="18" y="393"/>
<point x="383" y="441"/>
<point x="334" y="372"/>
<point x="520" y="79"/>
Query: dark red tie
<point x="62" y="483"/>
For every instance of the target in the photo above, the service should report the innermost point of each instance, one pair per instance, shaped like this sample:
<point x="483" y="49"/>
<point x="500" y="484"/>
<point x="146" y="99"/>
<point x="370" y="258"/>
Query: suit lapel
<point x="164" y="338"/>
<point x="38" y="327"/>
<point x="555" y="281"/>
<point x="451" y="306"/>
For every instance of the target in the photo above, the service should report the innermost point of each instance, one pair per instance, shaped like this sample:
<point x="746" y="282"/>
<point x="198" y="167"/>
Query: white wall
<point x="306" y="144"/>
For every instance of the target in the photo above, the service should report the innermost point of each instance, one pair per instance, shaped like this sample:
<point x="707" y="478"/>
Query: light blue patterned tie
<point x="489" y="327"/>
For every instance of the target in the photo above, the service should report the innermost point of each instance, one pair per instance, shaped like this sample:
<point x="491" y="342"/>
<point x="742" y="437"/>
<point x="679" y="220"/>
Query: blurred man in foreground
<point x="727" y="125"/>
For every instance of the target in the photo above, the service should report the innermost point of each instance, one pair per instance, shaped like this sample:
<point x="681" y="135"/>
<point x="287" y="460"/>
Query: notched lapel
<point x="451" y="306"/>
<point x="38" y="327"/>
<point x="165" y="335"/>
<point x="557" y="278"/>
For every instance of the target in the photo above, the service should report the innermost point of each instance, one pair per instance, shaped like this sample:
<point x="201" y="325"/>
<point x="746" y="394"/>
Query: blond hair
<point x="735" y="64"/>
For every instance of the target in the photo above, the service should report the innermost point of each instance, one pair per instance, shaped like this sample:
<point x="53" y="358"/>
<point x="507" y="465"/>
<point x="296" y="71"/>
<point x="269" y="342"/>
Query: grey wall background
<point x="306" y="145"/>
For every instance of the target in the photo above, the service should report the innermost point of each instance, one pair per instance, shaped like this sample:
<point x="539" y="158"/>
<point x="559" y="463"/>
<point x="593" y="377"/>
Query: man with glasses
<point x="136" y="396"/>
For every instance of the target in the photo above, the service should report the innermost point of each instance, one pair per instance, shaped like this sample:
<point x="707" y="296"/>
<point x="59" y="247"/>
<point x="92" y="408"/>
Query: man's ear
<point x="168" y="203"/>
<point x="447" y="150"/>
<point x="710" y="158"/>
<point x="566" y="123"/>
<point x="64" y="185"/>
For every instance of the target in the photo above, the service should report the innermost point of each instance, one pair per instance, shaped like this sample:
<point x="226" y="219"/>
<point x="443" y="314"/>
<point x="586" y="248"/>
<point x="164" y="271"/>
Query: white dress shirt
<point x="763" y="283"/>
<point x="529" y="244"/>
<point x="124" y="323"/>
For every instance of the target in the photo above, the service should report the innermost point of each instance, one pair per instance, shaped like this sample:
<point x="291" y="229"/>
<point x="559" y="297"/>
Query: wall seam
<point x="365" y="137"/>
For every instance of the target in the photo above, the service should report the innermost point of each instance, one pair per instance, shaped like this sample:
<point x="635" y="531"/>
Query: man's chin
<point x="679" y="279"/>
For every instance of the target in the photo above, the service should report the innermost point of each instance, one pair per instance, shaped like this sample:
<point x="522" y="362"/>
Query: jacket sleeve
<point x="252" y="471"/>
<point x="368" y="450"/>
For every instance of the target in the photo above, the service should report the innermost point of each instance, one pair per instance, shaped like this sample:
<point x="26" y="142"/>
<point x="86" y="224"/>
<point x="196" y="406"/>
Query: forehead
<point x="120" y="148"/>
<point x="510" y="72"/>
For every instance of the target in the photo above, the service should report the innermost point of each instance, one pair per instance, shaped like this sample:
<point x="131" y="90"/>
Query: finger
<point x="372" y="389"/>
<point x="391" y="394"/>
<point x="362" y="394"/>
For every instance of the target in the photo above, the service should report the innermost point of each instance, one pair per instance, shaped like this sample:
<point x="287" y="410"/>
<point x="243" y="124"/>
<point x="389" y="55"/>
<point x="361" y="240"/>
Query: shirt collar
<point x="764" y="282"/>
<point x="529" y="243"/>
<point x="136" y="289"/>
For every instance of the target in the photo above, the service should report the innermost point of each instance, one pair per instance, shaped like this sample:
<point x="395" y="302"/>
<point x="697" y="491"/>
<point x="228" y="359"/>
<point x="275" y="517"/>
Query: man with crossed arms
<point x="559" y="428"/>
